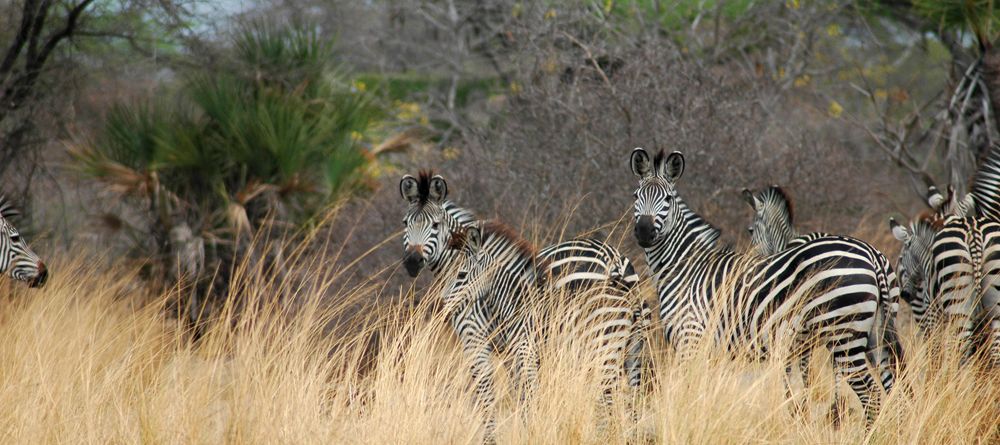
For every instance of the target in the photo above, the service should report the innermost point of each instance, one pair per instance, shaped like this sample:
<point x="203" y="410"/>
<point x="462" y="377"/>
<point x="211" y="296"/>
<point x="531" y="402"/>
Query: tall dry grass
<point x="92" y="359"/>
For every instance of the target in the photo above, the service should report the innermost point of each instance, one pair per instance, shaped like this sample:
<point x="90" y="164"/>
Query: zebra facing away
<point x="575" y="266"/>
<point x="827" y="289"/>
<point x="772" y="231"/>
<point x="952" y="262"/>
<point x="17" y="260"/>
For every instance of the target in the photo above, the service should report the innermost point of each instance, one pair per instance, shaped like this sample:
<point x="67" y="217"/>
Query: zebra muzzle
<point x="413" y="262"/>
<point x="41" y="277"/>
<point x="645" y="233"/>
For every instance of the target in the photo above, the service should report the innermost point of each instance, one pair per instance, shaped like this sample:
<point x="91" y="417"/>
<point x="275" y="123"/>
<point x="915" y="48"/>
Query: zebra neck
<point x="691" y="234"/>
<point x="455" y="216"/>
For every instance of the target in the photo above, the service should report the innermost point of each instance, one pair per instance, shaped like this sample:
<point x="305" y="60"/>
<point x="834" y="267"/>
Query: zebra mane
<point x="775" y="195"/>
<point x="930" y="219"/>
<point x="491" y="228"/>
<point x="661" y="155"/>
<point x="424" y="185"/>
<point x="707" y="232"/>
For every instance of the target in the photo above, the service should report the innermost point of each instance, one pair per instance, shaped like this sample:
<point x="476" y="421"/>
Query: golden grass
<point x="91" y="359"/>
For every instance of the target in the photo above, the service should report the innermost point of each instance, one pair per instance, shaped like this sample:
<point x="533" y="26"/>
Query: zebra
<point x="430" y="223"/>
<point x="951" y="260"/>
<point x="17" y="260"/>
<point x="828" y="288"/>
<point x="772" y="231"/>
<point x="965" y="281"/>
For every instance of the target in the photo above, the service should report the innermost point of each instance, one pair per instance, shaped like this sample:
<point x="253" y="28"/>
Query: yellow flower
<point x="833" y="30"/>
<point x="356" y="136"/>
<point x="359" y="86"/>
<point x="608" y="4"/>
<point x="835" y="109"/>
<point x="450" y="153"/>
<point x="881" y="94"/>
<point x="550" y="66"/>
<point x="408" y="110"/>
<point x="793" y="4"/>
<point x="516" y="10"/>
<point x="515" y="88"/>
<point x="802" y="80"/>
<point x="550" y="14"/>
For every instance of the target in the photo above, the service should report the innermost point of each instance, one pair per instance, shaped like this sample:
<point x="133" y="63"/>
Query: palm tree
<point x="273" y="134"/>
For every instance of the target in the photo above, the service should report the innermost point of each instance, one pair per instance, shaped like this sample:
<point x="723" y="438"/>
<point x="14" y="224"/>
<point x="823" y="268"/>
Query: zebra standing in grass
<point x="916" y="256"/>
<point x="17" y="259"/>
<point x="827" y="289"/>
<point x="953" y="262"/>
<point x="772" y="231"/>
<point x="575" y="266"/>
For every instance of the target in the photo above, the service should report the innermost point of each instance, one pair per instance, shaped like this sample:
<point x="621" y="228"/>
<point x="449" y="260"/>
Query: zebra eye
<point x="750" y="229"/>
<point x="15" y="238"/>
<point x="435" y="225"/>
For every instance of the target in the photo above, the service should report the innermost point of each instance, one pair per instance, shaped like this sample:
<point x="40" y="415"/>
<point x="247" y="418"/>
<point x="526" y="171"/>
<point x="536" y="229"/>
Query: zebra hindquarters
<point x="839" y="308"/>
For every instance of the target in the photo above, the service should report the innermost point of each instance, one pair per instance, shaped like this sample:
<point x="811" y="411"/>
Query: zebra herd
<point x="786" y="295"/>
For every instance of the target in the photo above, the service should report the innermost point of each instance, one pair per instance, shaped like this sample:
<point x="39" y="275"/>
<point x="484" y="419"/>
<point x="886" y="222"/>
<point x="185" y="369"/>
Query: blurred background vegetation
<point x="173" y="131"/>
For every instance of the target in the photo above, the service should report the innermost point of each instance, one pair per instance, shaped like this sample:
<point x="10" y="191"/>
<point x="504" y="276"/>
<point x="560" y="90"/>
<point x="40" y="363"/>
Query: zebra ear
<point x="640" y="163"/>
<point x="748" y="197"/>
<point x="673" y="167"/>
<point x="473" y="238"/>
<point x="898" y="231"/>
<point x="934" y="198"/>
<point x="438" y="189"/>
<point x="408" y="188"/>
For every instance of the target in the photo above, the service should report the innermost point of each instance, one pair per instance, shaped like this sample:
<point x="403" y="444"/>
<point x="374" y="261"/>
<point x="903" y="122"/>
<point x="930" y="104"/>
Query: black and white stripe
<point x="985" y="188"/>
<point x="827" y="289"/>
<point x="17" y="260"/>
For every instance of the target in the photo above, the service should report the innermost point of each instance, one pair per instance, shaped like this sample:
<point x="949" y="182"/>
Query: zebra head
<point x="656" y="209"/>
<point x="16" y="258"/>
<point x="427" y="227"/>
<point x="915" y="257"/>
<point x="772" y="219"/>
<point x="469" y="283"/>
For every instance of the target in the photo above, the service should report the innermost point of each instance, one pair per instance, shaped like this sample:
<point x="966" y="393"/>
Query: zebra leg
<point x="853" y="362"/>
<point x="636" y="361"/>
<point x="995" y="342"/>
<point x="527" y="366"/>
<point x="478" y="349"/>
<point x="797" y="407"/>
<point x="835" y="407"/>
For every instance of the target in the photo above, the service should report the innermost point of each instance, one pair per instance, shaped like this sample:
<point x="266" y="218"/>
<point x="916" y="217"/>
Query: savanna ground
<point x="94" y="358"/>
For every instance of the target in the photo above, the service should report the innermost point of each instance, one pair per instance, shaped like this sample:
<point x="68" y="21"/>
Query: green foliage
<point x="980" y="17"/>
<point x="276" y="132"/>
<point x="672" y="16"/>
